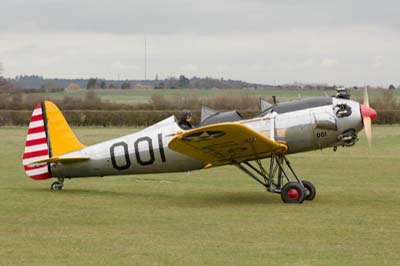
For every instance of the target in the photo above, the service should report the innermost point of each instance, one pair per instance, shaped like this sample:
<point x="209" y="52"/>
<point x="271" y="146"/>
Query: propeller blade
<point x="368" y="131"/>
<point x="366" y="98"/>
<point x="368" y="115"/>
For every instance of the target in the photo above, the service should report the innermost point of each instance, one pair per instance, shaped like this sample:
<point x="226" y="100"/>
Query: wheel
<point x="311" y="192"/>
<point x="56" y="186"/>
<point x="293" y="192"/>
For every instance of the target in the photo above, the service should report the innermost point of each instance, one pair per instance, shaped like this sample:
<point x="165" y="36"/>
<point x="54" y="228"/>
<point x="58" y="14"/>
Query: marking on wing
<point x="203" y="136"/>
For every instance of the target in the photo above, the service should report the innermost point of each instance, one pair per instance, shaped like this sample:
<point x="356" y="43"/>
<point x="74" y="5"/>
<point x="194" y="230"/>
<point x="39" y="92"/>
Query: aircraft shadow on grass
<point x="181" y="199"/>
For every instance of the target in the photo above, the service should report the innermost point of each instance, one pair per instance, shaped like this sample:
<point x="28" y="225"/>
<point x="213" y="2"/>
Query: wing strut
<point x="272" y="128"/>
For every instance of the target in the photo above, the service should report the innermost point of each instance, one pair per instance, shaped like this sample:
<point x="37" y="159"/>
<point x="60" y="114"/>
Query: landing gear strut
<point x="58" y="184"/>
<point x="277" y="179"/>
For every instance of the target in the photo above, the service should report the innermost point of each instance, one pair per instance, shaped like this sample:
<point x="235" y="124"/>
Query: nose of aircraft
<point x="367" y="111"/>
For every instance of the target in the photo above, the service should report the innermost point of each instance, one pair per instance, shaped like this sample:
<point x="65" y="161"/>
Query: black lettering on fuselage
<point x="161" y="148"/>
<point x="126" y="155"/>
<point x="321" y="134"/>
<point x="151" y="151"/>
<point x="138" y="155"/>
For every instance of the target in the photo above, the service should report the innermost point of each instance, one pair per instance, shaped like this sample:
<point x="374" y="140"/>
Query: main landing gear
<point x="58" y="184"/>
<point x="292" y="191"/>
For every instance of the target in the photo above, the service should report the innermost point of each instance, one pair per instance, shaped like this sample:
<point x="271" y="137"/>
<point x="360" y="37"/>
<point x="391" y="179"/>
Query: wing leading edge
<point x="225" y="143"/>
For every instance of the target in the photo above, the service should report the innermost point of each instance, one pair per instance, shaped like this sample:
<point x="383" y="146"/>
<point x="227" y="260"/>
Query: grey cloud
<point x="350" y="42"/>
<point x="196" y="17"/>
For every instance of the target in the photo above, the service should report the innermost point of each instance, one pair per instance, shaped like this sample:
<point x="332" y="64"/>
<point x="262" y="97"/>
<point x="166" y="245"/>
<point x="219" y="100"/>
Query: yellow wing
<point x="225" y="143"/>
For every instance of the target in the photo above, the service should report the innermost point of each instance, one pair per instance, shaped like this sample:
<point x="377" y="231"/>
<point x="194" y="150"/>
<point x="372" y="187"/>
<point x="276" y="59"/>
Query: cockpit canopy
<point x="229" y="116"/>
<point x="210" y="116"/>
<point x="306" y="103"/>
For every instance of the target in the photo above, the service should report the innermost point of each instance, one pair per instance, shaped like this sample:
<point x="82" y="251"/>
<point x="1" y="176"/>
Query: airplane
<point x="221" y="138"/>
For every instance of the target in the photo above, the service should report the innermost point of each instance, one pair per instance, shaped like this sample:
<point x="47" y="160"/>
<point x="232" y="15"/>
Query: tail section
<point x="49" y="136"/>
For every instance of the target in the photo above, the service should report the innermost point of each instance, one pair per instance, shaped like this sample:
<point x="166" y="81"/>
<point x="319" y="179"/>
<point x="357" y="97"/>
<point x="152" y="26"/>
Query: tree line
<point x="15" y="109"/>
<point x="39" y="82"/>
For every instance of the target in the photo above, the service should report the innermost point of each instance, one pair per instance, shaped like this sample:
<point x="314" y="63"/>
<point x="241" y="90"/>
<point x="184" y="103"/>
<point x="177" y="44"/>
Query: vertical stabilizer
<point x="61" y="138"/>
<point x="49" y="136"/>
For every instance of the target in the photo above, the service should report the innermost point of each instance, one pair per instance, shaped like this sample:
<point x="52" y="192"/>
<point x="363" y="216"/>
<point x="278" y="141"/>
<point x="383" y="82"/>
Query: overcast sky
<point x="272" y="42"/>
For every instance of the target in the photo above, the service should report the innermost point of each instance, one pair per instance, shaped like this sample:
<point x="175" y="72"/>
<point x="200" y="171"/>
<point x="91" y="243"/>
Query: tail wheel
<point x="311" y="192"/>
<point x="293" y="192"/>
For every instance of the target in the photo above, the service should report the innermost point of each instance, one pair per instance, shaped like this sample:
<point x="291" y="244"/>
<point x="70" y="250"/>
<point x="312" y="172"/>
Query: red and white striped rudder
<point x="36" y="146"/>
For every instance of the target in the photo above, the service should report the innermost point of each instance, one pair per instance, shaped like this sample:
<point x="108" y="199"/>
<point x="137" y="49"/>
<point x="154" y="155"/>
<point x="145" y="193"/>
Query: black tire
<point x="311" y="192"/>
<point x="293" y="192"/>
<point x="56" y="186"/>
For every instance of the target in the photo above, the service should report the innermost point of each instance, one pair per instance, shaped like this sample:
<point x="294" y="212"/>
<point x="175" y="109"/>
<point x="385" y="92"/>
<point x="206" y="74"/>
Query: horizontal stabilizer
<point x="62" y="160"/>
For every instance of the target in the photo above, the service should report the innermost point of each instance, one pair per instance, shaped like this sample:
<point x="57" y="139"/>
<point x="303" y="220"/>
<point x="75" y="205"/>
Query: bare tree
<point x="4" y="85"/>
<point x="2" y="81"/>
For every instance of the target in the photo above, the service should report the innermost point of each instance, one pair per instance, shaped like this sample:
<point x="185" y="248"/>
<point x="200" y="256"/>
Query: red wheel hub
<point x="293" y="193"/>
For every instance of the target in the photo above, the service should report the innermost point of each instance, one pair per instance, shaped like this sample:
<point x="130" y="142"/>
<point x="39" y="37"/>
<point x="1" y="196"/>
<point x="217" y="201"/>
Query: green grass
<point x="210" y="217"/>
<point x="143" y="95"/>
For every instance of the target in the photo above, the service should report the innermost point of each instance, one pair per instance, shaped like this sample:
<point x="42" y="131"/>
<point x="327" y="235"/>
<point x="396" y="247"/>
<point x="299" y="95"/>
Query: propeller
<point x="368" y="115"/>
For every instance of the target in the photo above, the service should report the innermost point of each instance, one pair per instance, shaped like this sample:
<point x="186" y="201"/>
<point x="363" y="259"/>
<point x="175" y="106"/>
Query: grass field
<point x="142" y="95"/>
<point x="211" y="217"/>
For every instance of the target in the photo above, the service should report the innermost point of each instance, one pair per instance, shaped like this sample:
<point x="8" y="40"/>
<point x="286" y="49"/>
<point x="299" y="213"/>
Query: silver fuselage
<point x="147" y="151"/>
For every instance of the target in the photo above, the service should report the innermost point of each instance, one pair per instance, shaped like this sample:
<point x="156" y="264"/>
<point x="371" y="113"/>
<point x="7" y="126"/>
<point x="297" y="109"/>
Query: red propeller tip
<point x="367" y="111"/>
